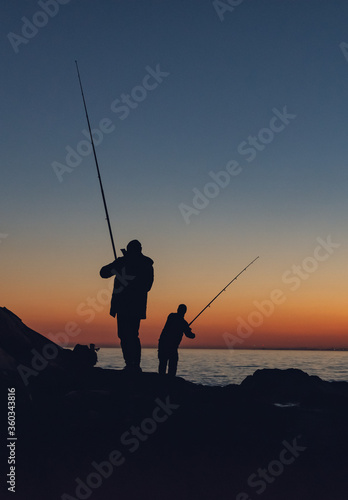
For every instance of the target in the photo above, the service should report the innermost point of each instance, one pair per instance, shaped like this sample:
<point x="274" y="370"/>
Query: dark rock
<point x="207" y="442"/>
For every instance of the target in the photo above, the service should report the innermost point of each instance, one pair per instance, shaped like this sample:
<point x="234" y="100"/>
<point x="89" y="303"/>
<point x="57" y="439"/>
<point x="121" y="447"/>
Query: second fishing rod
<point x="228" y="284"/>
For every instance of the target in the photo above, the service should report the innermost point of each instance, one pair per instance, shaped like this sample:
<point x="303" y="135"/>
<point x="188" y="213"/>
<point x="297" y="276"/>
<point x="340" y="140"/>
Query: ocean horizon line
<point x="108" y="346"/>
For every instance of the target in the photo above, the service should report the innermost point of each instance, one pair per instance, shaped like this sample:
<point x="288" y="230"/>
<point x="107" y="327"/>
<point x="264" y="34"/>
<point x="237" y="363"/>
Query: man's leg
<point x="122" y="334"/>
<point x="162" y="367"/>
<point x="135" y="345"/>
<point x="173" y="364"/>
<point x="128" y="332"/>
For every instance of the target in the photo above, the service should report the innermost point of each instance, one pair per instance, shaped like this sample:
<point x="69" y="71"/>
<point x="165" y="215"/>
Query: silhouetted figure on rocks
<point x="174" y="329"/>
<point x="133" y="279"/>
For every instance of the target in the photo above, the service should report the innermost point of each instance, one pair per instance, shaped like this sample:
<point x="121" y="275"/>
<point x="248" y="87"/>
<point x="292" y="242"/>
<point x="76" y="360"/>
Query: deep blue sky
<point x="225" y="78"/>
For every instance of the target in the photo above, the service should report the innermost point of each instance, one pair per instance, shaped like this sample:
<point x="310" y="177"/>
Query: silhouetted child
<point x="171" y="336"/>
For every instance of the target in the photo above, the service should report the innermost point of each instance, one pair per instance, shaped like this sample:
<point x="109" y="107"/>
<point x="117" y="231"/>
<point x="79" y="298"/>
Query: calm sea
<point x="224" y="366"/>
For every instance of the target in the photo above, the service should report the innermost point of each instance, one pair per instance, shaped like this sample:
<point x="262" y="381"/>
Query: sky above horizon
<point x="221" y="135"/>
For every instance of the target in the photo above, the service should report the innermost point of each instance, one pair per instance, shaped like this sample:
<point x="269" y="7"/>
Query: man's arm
<point x="146" y="276"/>
<point x="188" y="331"/>
<point x="108" y="270"/>
<point x="150" y="279"/>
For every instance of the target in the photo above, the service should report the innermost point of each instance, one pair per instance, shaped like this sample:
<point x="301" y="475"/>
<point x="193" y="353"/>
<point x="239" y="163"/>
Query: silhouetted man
<point x="169" y="341"/>
<point x="133" y="279"/>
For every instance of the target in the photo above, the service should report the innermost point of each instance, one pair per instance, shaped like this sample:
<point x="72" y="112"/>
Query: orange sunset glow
<point x="263" y="308"/>
<point x="209" y="166"/>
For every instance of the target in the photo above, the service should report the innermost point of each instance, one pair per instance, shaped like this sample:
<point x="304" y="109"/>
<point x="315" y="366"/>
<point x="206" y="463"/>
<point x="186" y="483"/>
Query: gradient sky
<point x="226" y="76"/>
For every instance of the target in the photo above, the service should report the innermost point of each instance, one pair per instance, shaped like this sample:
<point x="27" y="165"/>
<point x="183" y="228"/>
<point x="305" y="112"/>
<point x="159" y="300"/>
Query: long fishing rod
<point x="96" y="163"/>
<point x="216" y="296"/>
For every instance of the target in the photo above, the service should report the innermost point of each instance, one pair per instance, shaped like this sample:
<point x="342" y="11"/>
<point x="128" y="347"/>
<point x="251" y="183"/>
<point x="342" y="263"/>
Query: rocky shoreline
<point x="105" y="434"/>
